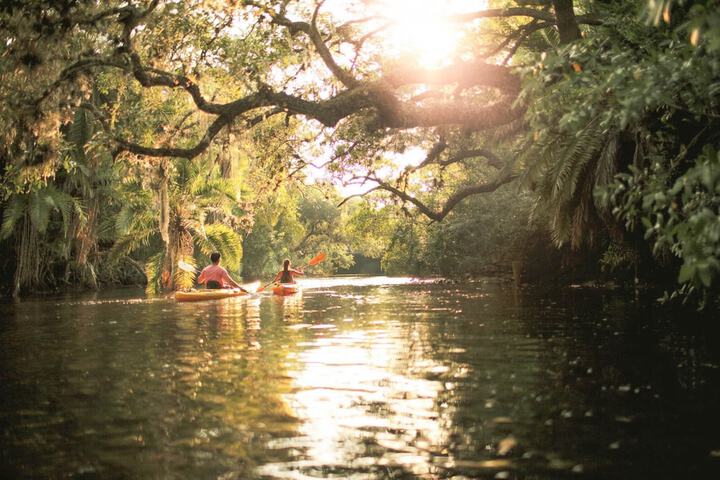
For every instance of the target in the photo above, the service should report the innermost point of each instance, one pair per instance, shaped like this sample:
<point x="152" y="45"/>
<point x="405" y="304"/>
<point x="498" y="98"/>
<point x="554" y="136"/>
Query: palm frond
<point x="185" y="279"/>
<point x="69" y="206"/>
<point x="563" y="171"/>
<point x="81" y="130"/>
<point x="129" y="243"/>
<point x="153" y="272"/>
<point x="13" y="212"/>
<point x="39" y="208"/>
<point x="221" y="238"/>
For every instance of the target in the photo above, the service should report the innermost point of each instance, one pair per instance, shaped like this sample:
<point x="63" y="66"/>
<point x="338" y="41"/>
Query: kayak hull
<point x="285" y="289"/>
<point x="214" y="294"/>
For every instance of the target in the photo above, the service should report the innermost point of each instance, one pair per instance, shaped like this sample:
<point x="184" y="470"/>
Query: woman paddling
<point x="287" y="274"/>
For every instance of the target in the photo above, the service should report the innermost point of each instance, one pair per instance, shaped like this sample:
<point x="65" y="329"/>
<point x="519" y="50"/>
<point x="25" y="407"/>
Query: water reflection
<point x="372" y="379"/>
<point x="355" y="398"/>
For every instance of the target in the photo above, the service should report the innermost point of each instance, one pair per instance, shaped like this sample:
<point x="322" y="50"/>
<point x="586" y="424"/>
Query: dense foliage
<point x="140" y="136"/>
<point x="626" y="129"/>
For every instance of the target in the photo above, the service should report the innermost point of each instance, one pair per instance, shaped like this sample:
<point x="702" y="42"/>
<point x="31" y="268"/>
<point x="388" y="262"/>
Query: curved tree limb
<point x="493" y="160"/>
<point x="310" y="29"/>
<point x="504" y="176"/>
<point x="375" y="97"/>
<point x="453" y="200"/>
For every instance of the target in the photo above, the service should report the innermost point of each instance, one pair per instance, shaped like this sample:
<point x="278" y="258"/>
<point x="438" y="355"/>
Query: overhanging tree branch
<point x="310" y="29"/>
<point x="377" y="98"/>
<point x="453" y="200"/>
<point x="542" y="15"/>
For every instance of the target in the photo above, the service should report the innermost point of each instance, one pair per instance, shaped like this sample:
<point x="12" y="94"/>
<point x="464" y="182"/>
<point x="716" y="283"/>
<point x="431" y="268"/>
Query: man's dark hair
<point x="215" y="257"/>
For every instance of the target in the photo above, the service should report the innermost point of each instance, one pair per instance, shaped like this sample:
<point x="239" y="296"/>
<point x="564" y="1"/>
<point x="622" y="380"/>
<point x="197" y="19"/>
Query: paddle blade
<point x="182" y="265"/>
<point x="317" y="259"/>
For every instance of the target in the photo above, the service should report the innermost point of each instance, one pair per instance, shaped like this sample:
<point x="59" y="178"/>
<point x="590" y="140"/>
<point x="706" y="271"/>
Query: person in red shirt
<point x="215" y="276"/>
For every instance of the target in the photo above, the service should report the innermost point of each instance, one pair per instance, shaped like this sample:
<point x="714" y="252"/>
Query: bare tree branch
<point x="355" y="195"/>
<point x="453" y="200"/>
<point x="310" y="29"/>
<point x="542" y="15"/>
<point x="504" y="176"/>
<point x="493" y="160"/>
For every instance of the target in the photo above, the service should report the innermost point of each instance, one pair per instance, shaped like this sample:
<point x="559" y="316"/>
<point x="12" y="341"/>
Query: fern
<point x="14" y="211"/>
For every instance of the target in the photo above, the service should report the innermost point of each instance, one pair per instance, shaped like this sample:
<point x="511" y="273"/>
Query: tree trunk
<point x="566" y="22"/>
<point x="27" y="270"/>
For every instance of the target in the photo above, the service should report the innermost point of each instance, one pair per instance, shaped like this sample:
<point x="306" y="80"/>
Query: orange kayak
<point x="210" y="294"/>
<point x="285" y="289"/>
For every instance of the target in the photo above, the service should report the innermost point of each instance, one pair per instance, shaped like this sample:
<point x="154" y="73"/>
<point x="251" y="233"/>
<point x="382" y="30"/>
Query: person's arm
<point x="297" y="272"/>
<point x="232" y="282"/>
<point x="278" y="276"/>
<point x="201" y="278"/>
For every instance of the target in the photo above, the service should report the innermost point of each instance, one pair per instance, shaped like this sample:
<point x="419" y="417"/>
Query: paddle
<point x="314" y="261"/>
<point x="186" y="266"/>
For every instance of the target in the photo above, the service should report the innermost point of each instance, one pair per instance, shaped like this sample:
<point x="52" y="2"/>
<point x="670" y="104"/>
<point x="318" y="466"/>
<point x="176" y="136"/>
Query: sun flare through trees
<point x="139" y="134"/>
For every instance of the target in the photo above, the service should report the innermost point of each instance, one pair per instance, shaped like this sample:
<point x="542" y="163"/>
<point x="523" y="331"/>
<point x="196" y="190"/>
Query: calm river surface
<point x="358" y="378"/>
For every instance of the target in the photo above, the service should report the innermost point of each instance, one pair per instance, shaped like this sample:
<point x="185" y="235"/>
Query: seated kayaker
<point x="287" y="274"/>
<point x="215" y="276"/>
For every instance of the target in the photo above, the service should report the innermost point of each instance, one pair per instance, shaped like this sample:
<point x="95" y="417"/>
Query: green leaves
<point x="37" y="206"/>
<point x="221" y="238"/>
<point x="683" y="219"/>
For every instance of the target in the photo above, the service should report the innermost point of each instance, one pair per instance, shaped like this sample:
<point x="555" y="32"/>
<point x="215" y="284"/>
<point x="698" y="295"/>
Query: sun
<point x="419" y="29"/>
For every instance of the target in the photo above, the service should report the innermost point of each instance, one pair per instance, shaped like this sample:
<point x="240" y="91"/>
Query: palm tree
<point x="91" y="176"/>
<point x="197" y="216"/>
<point x="28" y="217"/>
<point x="565" y="171"/>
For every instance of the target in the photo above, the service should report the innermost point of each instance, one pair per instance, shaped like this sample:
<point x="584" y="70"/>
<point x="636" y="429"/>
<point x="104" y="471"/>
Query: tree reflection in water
<point x="358" y="378"/>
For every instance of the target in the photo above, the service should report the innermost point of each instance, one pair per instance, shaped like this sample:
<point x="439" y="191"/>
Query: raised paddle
<point x="314" y="261"/>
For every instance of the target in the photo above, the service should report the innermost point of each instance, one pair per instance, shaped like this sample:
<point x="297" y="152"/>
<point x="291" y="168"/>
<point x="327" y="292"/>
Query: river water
<point x="367" y="378"/>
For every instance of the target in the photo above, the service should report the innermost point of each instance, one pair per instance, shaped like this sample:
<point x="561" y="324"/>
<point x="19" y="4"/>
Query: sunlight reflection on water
<point x="362" y="391"/>
<point x="331" y="282"/>
<point x="353" y="377"/>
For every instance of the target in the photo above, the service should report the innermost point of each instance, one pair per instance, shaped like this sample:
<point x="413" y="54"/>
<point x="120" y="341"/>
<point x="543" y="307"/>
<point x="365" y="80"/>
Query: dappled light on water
<point x="363" y="377"/>
<point x="359" y="392"/>
<point x="330" y="282"/>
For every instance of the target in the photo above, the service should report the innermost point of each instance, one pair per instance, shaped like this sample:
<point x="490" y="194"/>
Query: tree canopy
<point x="603" y="113"/>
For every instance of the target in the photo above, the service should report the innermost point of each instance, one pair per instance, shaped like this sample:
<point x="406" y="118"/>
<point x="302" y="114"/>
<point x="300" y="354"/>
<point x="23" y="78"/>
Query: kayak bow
<point x="285" y="289"/>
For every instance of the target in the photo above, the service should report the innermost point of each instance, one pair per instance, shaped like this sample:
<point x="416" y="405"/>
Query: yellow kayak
<point x="210" y="294"/>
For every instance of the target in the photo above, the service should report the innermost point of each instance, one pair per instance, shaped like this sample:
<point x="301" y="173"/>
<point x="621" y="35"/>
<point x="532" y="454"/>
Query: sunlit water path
<point x="364" y="377"/>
